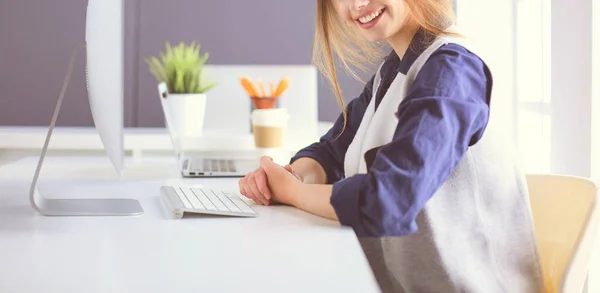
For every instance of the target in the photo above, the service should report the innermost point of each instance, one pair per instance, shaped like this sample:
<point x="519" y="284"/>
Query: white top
<point x="282" y="250"/>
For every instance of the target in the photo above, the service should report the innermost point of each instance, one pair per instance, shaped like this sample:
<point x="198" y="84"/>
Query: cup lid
<point x="277" y="117"/>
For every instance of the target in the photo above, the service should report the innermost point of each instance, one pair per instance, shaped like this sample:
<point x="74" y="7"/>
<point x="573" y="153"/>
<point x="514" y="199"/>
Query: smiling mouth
<point x="368" y="18"/>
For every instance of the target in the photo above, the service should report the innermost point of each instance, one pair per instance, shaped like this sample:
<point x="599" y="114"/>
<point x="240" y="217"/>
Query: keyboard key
<point x="215" y="200"/>
<point x="192" y="198"/>
<point x="183" y="198"/>
<point x="204" y="200"/>
<point x="240" y="203"/>
<point x="231" y="166"/>
<point x="230" y="205"/>
<point x="214" y="165"/>
<point x="243" y="206"/>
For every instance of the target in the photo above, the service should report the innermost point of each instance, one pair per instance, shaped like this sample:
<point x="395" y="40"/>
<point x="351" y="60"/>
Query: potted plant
<point x="180" y="72"/>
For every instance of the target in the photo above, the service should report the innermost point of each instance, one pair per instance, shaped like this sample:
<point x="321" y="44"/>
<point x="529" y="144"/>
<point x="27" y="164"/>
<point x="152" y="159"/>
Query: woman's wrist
<point x="315" y="199"/>
<point x="297" y="193"/>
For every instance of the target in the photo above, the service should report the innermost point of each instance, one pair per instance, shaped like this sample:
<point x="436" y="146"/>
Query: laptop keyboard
<point x="213" y="165"/>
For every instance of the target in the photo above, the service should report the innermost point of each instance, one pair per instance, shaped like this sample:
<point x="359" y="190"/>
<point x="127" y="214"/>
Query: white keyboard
<point x="179" y="200"/>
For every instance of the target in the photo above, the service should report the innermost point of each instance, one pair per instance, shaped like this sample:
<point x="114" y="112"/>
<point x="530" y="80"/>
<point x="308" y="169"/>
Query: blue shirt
<point x="445" y="111"/>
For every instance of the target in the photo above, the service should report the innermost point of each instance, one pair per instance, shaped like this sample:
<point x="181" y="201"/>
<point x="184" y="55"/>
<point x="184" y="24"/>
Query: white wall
<point x="594" y="276"/>
<point x="596" y="93"/>
<point x="571" y="87"/>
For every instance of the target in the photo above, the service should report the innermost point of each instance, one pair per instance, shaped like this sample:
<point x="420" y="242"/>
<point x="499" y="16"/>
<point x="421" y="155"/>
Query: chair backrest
<point x="565" y="215"/>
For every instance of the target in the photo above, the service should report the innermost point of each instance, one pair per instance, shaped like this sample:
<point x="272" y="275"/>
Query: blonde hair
<point x="335" y="38"/>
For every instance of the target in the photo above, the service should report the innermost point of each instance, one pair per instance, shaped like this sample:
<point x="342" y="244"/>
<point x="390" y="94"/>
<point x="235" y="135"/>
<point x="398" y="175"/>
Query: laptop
<point x="201" y="167"/>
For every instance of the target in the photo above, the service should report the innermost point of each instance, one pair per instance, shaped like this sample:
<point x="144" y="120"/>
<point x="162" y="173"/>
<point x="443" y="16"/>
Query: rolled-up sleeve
<point x="446" y="111"/>
<point x="330" y="150"/>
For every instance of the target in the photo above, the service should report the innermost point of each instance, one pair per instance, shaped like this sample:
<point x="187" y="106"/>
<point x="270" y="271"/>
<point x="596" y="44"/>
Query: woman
<point x="414" y="164"/>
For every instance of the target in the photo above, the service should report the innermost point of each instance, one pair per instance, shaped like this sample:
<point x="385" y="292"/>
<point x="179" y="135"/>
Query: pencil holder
<point x="264" y="103"/>
<point x="259" y="103"/>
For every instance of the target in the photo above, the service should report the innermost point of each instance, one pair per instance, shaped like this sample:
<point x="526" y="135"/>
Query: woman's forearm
<point x="313" y="195"/>
<point x="315" y="199"/>
<point x="310" y="171"/>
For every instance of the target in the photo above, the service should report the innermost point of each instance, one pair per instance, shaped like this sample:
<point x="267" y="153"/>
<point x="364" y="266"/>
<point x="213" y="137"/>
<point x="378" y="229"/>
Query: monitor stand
<point x="77" y="206"/>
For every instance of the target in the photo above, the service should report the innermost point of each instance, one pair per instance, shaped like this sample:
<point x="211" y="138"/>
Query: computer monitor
<point x="105" y="73"/>
<point x="104" y="70"/>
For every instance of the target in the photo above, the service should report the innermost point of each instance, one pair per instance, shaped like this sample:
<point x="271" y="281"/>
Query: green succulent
<point x="181" y="68"/>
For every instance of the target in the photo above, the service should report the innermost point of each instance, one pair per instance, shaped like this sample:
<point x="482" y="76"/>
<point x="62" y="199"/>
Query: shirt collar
<point x="417" y="45"/>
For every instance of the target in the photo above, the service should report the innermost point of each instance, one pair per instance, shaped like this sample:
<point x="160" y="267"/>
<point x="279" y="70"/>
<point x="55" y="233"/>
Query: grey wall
<point x="38" y="36"/>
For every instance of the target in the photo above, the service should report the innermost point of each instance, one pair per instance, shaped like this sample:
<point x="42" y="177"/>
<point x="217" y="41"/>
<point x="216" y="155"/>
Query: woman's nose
<point x="360" y="4"/>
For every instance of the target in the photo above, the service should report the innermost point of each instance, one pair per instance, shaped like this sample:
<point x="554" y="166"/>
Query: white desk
<point x="283" y="250"/>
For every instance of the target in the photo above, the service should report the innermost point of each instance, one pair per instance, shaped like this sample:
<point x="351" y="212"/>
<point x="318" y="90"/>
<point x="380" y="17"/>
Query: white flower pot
<point x="186" y="113"/>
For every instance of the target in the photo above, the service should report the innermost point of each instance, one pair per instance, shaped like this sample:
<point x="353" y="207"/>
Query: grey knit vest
<point x="475" y="235"/>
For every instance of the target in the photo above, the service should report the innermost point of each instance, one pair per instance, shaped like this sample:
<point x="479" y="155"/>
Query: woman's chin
<point x="376" y="37"/>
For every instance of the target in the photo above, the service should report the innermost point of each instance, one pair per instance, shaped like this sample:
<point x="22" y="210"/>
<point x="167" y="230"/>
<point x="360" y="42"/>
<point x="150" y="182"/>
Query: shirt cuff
<point x="345" y="200"/>
<point x="324" y="160"/>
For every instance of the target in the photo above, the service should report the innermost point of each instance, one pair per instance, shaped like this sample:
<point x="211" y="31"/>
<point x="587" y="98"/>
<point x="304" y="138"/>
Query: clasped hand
<point x="271" y="183"/>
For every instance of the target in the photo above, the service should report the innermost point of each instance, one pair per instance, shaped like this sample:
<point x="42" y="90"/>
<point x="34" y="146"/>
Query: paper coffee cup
<point x="269" y="127"/>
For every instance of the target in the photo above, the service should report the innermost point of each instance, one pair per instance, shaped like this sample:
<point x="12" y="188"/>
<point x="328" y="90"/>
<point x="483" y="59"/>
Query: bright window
<point x="488" y="28"/>
<point x="514" y="39"/>
<point x="532" y="76"/>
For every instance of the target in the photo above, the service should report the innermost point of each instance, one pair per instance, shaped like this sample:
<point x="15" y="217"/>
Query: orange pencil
<point x="272" y="88"/>
<point x="283" y="86"/>
<point x="245" y="86"/>
<point x="249" y="86"/>
<point x="262" y="88"/>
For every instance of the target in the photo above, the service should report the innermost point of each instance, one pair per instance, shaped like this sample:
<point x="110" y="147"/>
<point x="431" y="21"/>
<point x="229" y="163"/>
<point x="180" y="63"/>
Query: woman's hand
<point x="274" y="183"/>
<point x="283" y="182"/>
<point x="255" y="185"/>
